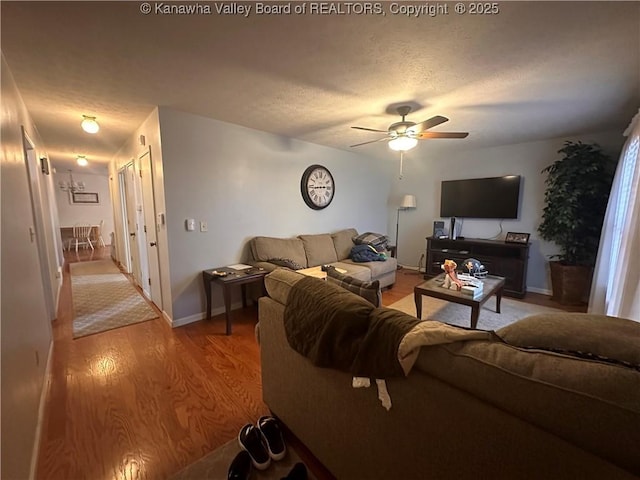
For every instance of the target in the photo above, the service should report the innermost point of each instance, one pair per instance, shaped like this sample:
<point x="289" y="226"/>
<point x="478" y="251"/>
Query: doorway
<point x="140" y="226"/>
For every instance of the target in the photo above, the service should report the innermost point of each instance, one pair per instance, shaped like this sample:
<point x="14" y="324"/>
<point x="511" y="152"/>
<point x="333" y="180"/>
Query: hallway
<point x="144" y="400"/>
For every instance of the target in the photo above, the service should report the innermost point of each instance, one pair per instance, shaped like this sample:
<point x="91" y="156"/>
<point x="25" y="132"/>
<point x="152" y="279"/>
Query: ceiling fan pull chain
<point x="401" y="161"/>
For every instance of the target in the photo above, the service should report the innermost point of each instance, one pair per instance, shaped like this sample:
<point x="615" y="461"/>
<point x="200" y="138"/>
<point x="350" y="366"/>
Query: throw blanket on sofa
<point x="366" y="253"/>
<point x="336" y="329"/>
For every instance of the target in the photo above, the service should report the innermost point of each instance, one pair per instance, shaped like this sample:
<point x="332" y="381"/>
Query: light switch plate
<point x="190" y="223"/>
<point x="204" y="227"/>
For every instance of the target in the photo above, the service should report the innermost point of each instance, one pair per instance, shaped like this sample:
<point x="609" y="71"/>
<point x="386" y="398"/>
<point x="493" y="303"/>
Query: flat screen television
<point x="495" y="197"/>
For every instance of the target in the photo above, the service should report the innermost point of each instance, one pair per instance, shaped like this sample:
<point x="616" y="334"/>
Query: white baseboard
<point x="167" y="318"/>
<point x="542" y="291"/>
<point x="44" y="394"/>
<point x="410" y="267"/>
<point x="196" y="317"/>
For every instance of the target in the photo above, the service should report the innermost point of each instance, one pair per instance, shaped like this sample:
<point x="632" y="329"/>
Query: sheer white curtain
<point x="616" y="282"/>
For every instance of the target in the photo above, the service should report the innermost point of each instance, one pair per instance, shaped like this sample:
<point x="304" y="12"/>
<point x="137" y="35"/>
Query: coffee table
<point x="493" y="285"/>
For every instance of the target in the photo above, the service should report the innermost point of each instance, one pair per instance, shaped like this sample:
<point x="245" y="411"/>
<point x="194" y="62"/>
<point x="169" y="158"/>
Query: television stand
<point x="508" y="260"/>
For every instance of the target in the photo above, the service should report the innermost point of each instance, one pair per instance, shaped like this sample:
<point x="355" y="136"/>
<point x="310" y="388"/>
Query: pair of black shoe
<point x="260" y="443"/>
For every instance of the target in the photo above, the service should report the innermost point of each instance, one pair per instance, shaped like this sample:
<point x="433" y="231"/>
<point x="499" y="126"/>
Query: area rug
<point x="455" y="314"/>
<point x="104" y="299"/>
<point x="215" y="465"/>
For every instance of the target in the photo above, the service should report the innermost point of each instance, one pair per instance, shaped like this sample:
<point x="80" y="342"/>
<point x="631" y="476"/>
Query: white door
<point x="132" y="224"/>
<point x="150" y="228"/>
<point x="37" y="230"/>
<point x="124" y="255"/>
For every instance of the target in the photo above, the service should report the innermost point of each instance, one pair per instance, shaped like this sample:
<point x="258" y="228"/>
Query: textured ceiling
<point x="535" y="70"/>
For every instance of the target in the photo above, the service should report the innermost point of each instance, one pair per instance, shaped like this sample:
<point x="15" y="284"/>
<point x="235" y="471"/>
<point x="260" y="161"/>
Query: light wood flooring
<point x="143" y="401"/>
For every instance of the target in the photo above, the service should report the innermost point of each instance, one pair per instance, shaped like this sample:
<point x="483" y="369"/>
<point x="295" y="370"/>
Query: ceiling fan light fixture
<point x="89" y="124"/>
<point x="82" y="160"/>
<point x="403" y="143"/>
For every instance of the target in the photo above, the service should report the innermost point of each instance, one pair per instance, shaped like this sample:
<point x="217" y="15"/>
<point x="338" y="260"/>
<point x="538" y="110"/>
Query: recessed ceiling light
<point x="89" y="124"/>
<point x="82" y="160"/>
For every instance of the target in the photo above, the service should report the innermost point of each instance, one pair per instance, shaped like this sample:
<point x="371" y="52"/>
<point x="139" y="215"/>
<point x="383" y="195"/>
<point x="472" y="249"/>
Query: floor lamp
<point x="408" y="202"/>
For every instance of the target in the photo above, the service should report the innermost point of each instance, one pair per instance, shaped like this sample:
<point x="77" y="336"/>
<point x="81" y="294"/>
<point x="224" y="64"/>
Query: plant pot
<point x="570" y="283"/>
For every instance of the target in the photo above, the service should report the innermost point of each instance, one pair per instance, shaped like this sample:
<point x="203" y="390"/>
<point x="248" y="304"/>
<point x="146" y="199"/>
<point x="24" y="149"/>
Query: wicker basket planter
<point x="570" y="283"/>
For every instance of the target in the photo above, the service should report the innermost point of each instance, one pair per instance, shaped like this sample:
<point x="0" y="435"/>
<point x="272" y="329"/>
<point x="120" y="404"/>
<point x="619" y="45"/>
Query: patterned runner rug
<point x="455" y="314"/>
<point x="104" y="299"/>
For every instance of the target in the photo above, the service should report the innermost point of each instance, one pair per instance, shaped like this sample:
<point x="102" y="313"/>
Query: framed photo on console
<point x="517" y="237"/>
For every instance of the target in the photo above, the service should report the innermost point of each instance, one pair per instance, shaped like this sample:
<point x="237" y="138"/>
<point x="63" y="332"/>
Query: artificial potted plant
<point x="576" y="195"/>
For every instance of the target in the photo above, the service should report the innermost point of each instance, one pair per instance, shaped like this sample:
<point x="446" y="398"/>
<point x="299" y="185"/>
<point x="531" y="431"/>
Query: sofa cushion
<point x="279" y="282"/>
<point x="600" y="337"/>
<point x="546" y="389"/>
<point x="376" y="269"/>
<point x="355" y="270"/>
<point x="343" y="243"/>
<point x="319" y="249"/>
<point x="370" y="291"/>
<point x="265" y="248"/>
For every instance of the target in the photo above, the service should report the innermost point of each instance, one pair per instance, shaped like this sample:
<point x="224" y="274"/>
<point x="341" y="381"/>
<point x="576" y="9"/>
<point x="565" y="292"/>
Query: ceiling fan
<point x="404" y="135"/>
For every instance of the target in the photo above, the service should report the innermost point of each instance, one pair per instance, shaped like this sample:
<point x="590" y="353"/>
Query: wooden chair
<point x="81" y="235"/>
<point x="99" y="236"/>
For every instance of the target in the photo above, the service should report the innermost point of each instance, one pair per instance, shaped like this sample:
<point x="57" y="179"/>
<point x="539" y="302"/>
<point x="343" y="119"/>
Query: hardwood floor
<point x="143" y="401"/>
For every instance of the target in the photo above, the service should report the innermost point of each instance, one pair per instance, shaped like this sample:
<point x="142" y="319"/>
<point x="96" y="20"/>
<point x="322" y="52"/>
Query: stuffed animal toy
<point x="451" y="280"/>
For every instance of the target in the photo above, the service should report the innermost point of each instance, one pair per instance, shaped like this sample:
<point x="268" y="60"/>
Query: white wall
<point x="426" y="168"/>
<point x="25" y="327"/>
<point x="244" y="183"/>
<point x="70" y="213"/>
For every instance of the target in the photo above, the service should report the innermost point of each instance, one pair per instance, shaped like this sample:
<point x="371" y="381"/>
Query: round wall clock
<point x="317" y="187"/>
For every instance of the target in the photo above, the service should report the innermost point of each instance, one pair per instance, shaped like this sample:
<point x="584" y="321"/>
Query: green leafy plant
<point x="576" y="195"/>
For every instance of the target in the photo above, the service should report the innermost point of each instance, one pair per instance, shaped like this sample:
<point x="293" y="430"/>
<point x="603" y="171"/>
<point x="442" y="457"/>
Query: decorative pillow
<point x="370" y="291"/>
<point x="369" y="238"/>
<point x="286" y="262"/>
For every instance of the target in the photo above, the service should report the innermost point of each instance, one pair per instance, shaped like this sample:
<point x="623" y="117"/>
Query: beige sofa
<point x="321" y="249"/>
<point x="468" y="410"/>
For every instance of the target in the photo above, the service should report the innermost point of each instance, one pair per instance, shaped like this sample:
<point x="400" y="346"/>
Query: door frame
<point x="37" y="231"/>
<point x="151" y="227"/>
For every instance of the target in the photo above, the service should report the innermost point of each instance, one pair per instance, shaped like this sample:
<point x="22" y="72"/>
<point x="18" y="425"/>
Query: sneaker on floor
<point x="298" y="472"/>
<point x="240" y="468"/>
<point x="250" y="440"/>
<point x="272" y="437"/>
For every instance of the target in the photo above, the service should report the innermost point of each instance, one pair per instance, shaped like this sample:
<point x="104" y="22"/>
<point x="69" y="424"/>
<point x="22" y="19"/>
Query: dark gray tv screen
<point x="495" y="197"/>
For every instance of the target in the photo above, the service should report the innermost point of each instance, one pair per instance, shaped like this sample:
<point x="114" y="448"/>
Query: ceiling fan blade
<point x="370" y="129"/>
<point x="371" y="141"/>
<point x="424" y="135"/>
<point x="427" y="124"/>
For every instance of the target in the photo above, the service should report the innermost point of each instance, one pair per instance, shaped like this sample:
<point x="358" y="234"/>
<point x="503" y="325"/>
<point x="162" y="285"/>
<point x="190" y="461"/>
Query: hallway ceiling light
<point x="89" y="124"/>
<point x="82" y="160"/>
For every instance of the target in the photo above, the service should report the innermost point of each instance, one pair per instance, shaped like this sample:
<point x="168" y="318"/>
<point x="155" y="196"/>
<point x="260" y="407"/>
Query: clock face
<point x="317" y="187"/>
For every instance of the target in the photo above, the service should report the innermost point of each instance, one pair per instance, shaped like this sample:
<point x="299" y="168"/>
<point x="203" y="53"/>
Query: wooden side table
<point x="232" y="278"/>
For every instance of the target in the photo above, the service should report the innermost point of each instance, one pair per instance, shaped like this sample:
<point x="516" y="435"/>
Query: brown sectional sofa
<point x="469" y="410"/>
<point x="322" y="249"/>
